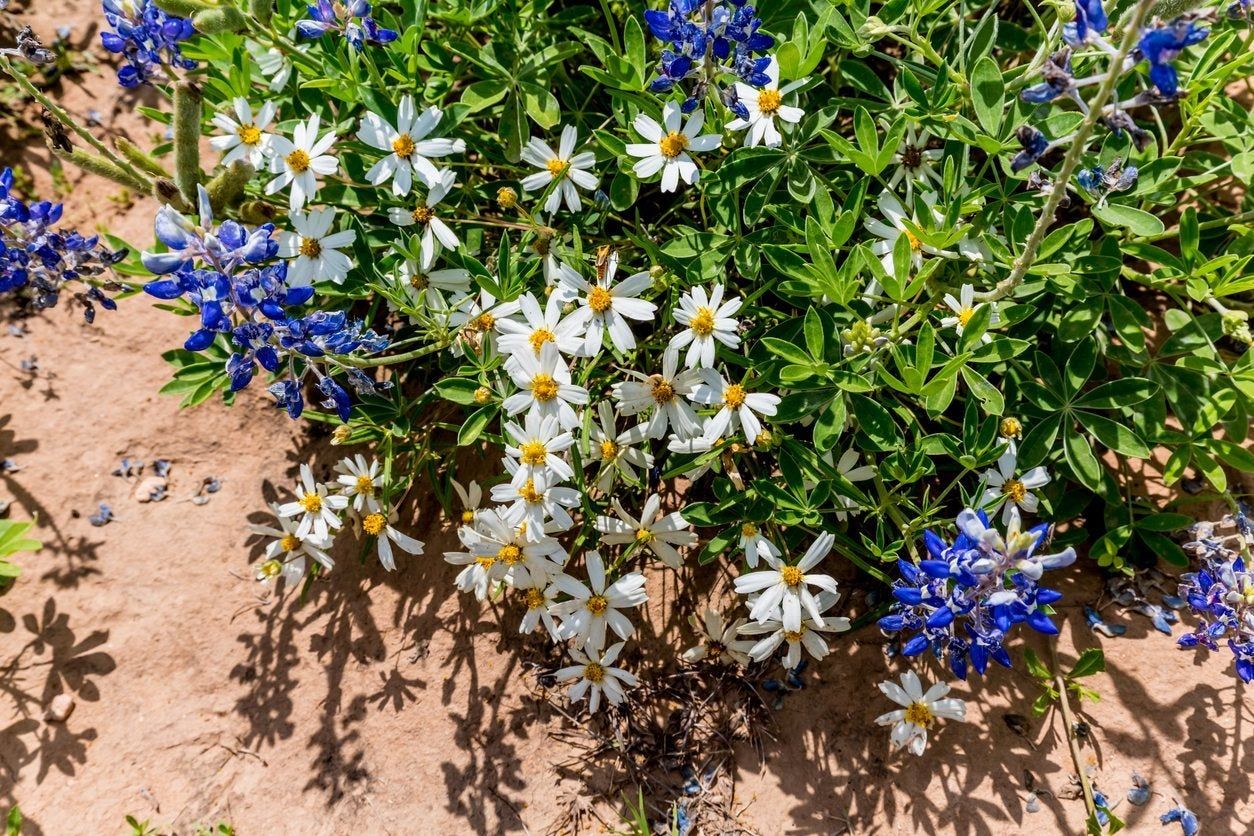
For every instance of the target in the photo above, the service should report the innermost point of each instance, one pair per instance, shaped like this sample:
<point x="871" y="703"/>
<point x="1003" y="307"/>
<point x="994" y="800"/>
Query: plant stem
<point x="1079" y="144"/>
<point x="1068" y="720"/>
<point x="367" y="362"/>
<point x="1215" y="224"/>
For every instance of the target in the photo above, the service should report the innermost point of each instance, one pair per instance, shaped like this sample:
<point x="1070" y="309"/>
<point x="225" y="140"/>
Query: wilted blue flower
<point x="37" y="260"/>
<point x="357" y="26"/>
<point x="1221" y="594"/>
<point x="700" y="36"/>
<point x="1034" y="145"/>
<point x="1160" y="45"/>
<point x="226" y="272"/>
<point x="1184" y="816"/>
<point x="1101" y="182"/>
<point x="1058" y="80"/>
<point x="983" y="583"/>
<point x="147" y="39"/>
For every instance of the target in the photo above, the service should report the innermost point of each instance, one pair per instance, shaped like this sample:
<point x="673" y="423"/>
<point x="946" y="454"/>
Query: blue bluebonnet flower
<point x="1221" y="595"/>
<point x="243" y="295"/>
<point x="963" y="600"/>
<point x="1034" y="145"/>
<point x="37" y="260"/>
<point x="357" y="26"/>
<point x="1090" y="21"/>
<point x="1182" y="816"/>
<point x="146" y="37"/>
<point x="1161" y="44"/>
<point x="701" y="36"/>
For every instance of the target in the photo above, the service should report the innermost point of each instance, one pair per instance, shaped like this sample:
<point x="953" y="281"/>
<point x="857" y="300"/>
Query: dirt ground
<point x="390" y="703"/>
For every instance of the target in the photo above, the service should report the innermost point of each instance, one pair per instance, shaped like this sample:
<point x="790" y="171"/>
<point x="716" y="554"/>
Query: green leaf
<point x="457" y="389"/>
<point x="988" y="95"/>
<point x="1080" y="456"/>
<point x="1125" y="391"/>
<point x="786" y="350"/>
<point x="875" y="422"/>
<point x="1141" y="223"/>
<point x="474" y="425"/>
<point x="1090" y="662"/>
<point x="1035" y="666"/>
<point x="1114" y="435"/>
<point x="814" y="333"/>
<point x="1164" y="522"/>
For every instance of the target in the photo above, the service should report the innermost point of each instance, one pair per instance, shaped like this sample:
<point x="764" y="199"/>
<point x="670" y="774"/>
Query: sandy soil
<point x="392" y="704"/>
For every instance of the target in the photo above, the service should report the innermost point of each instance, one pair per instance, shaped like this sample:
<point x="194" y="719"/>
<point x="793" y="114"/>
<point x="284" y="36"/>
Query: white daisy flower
<point x="380" y="526"/>
<point x="785" y="589"/>
<point x="846" y="466"/>
<point x="315" y="507"/>
<point x="519" y="554"/>
<point x="919" y="711"/>
<point x="361" y="482"/>
<point x="614" y="452"/>
<point x="1003" y="489"/>
<point x="916" y="163"/>
<point x="594" y="606"/>
<point x="663" y="393"/>
<point x="565" y="167"/>
<point x="423" y="287"/>
<point x="480" y="574"/>
<point x="315" y="248"/>
<point x="736" y="407"/>
<point x="893" y="226"/>
<point x="708" y="318"/>
<point x="606" y="306"/>
<point x="537" y="446"/>
<point x="764" y="106"/>
<point x="596" y="674"/>
<point x="273" y="65"/>
<point x="536" y="504"/>
<point x="666" y="147"/>
<point x="540" y="326"/>
<point x="546" y="387"/>
<point x="964" y="308"/>
<point x="285" y="556"/>
<point x="475" y="319"/>
<point x="300" y="160"/>
<point x="245" y="137"/>
<point x="539" y="602"/>
<point x="409" y="149"/>
<point x="718" y="640"/>
<point x="471" y="496"/>
<point x="756" y="546"/>
<point x="655" y="531"/>
<point x="434" y="232"/>
<point x="807" y="636"/>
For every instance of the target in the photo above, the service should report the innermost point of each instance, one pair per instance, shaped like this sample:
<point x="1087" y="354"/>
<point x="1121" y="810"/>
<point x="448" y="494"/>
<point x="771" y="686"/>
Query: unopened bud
<point x="483" y="395"/>
<point x="506" y="197"/>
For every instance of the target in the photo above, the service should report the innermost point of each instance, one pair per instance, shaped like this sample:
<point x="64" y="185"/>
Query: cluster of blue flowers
<point x="358" y="26"/>
<point x="704" y="39"/>
<point x="36" y="260"/>
<point x="965" y="598"/>
<point x="1221" y="594"/>
<point x="146" y="37"/>
<point x="243" y="295"/>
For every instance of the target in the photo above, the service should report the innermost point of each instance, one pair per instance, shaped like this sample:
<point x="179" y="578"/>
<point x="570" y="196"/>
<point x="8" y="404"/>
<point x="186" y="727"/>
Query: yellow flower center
<point x="419" y="281"/>
<point x="734" y="396"/>
<point x="373" y="523"/>
<point x="672" y="145"/>
<point x="249" y="134"/>
<point x="509" y="555"/>
<point x="270" y="569"/>
<point x="422" y="215"/>
<point x="599" y="299"/>
<point x="964" y="315"/>
<point x="485" y="562"/>
<point x="557" y="167"/>
<point x="535" y="599"/>
<point x="594" y="673"/>
<point x="598" y="604"/>
<point x="403" y="146"/>
<point x="663" y="392"/>
<point x="533" y="453"/>
<point x="1014" y="489"/>
<point x="483" y="322"/>
<point x="915" y="243"/>
<point x="468" y="517"/>
<point x="703" y="323"/>
<point x="482" y="395"/>
<point x="608" y="450"/>
<point x="749" y="530"/>
<point x="289" y="543"/>
<point x="539" y="337"/>
<point x="529" y="493"/>
<point x="310" y="248"/>
<point x="795" y="635"/>
<point x="365" y="485"/>
<point x="643" y="535"/>
<point x="543" y="387"/>
<point x="769" y="101"/>
<point x="791" y="575"/>
<point x="298" y="161"/>
<point x="1011" y="428"/>
<point x="919" y="714"/>
<point x="311" y="502"/>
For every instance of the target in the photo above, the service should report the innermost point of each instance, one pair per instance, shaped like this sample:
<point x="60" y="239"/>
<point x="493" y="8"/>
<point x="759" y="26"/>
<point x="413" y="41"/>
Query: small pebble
<point x="59" y="710"/>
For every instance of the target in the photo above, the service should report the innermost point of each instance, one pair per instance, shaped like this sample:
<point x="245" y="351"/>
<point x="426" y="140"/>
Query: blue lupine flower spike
<point x="147" y="39"/>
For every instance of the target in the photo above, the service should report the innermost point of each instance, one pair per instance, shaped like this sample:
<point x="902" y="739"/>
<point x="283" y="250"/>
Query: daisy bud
<point x="506" y="197"/>
<point x="1011" y="428"/>
<point x="764" y="440"/>
<point x="164" y="190"/>
<point x="483" y="395"/>
<point x="188" y="102"/>
<point x="340" y="434"/>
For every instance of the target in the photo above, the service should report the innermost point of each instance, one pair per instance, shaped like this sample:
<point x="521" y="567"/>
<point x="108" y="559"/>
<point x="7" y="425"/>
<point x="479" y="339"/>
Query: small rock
<point x="150" y="488"/>
<point x="59" y="710"/>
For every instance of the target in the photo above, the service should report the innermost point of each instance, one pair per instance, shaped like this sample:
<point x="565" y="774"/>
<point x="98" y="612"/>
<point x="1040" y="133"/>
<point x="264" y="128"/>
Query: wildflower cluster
<point x="37" y="260"/>
<point x="962" y="601"/>
<point x="147" y="38"/>
<point x="1221" y="592"/>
